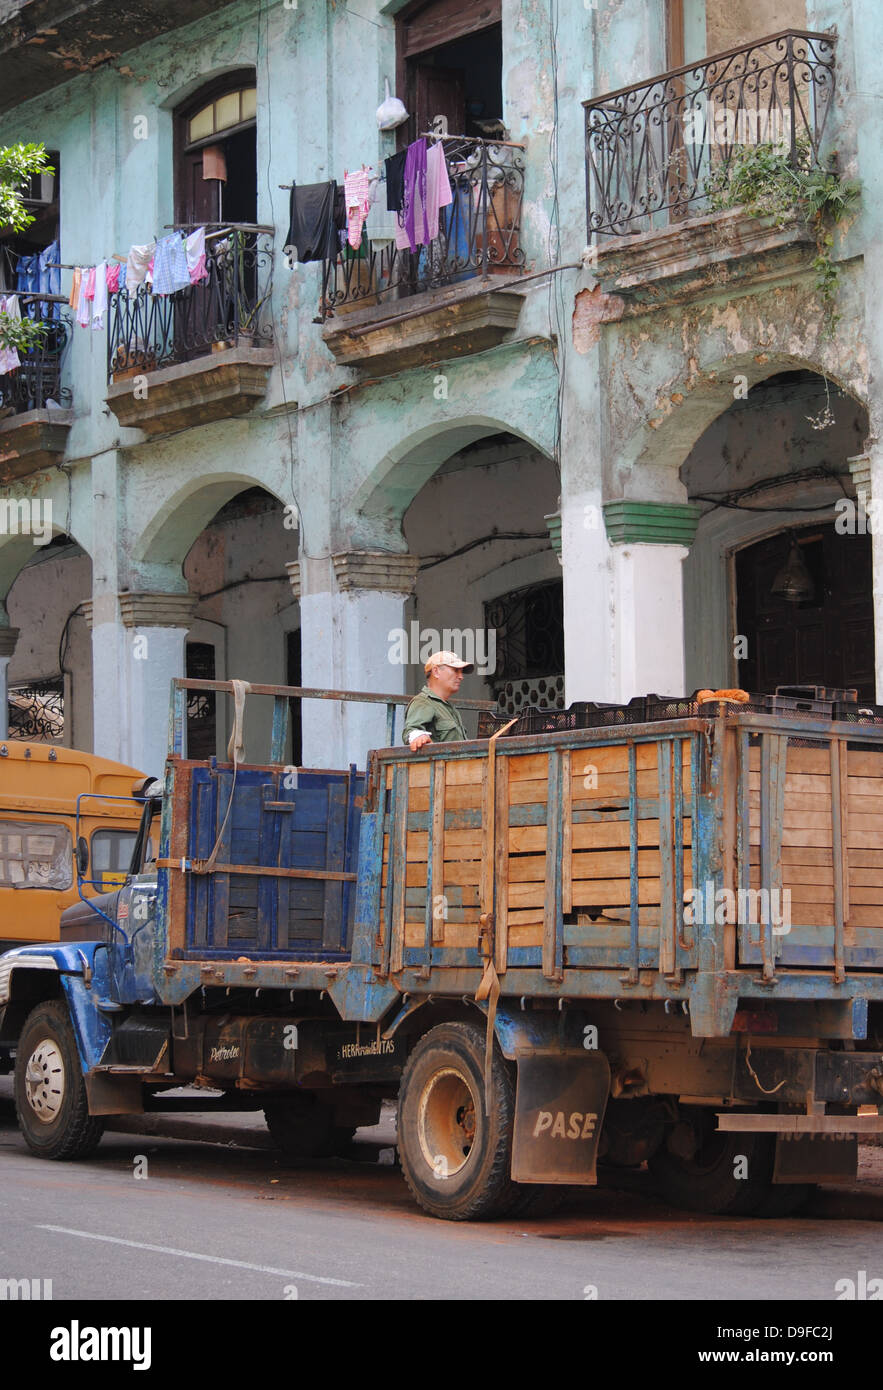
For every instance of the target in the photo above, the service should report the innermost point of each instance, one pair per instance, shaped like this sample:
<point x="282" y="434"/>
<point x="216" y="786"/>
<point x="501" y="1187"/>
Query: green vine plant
<point x="17" y="164"/>
<point x="768" y="181"/>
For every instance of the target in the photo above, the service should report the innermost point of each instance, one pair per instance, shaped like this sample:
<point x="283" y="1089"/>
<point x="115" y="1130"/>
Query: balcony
<point x="203" y="353"/>
<point x="47" y="42"/>
<point x="34" y="406"/>
<point x="656" y="149"/>
<point x="385" y="308"/>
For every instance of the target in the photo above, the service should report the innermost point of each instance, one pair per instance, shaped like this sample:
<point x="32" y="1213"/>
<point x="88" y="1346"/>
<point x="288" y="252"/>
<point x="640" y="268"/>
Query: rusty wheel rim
<point x="446" y="1122"/>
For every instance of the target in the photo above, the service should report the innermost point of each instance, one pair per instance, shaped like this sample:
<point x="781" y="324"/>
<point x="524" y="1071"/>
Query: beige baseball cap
<point x="447" y="659"/>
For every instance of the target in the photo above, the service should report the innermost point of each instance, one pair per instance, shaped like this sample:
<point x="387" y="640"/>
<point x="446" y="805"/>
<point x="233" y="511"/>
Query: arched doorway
<point x="768" y="473"/>
<point x="216" y="152"/>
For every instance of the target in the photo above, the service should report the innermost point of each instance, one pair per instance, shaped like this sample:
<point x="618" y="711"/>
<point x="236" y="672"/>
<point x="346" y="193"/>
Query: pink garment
<point x="113" y="277"/>
<point x="195" y="249"/>
<point x="89" y="286"/>
<point x="438" y="187"/>
<point x="84" y="308"/>
<point x="356" y="193"/>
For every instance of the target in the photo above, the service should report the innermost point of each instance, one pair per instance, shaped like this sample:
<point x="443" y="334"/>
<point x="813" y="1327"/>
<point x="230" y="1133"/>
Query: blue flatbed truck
<point x="654" y="941"/>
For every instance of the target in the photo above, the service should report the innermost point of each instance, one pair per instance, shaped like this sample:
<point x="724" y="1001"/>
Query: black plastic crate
<point x="650" y="709"/>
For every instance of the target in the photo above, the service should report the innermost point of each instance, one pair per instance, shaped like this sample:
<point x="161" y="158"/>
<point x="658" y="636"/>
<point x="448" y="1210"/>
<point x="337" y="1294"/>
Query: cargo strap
<point x="489" y="988"/>
<point x="236" y="754"/>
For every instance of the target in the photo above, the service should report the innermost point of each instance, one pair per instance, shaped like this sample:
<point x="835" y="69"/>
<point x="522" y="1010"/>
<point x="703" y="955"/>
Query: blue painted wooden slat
<point x="335" y="850"/>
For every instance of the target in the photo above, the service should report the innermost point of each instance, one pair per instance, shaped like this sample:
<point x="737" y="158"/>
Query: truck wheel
<point x="302" y="1127"/>
<point x="456" y="1159"/>
<point x="50" y="1094"/>
<point x="701" y="1169"/>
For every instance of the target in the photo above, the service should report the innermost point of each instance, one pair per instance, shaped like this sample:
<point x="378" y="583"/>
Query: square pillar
<point x="352" y="604"/>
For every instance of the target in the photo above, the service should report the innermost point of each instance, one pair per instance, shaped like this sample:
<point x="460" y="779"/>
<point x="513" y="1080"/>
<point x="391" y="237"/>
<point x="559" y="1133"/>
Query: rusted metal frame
<point x="566" y="833"/>
<point x="501" y="863"/>
<point x="435" y="859"/>
<point x="839" y="852"/>
<point x="314" y="693"/>
<point x="773" y="766"/>
<point x="681" y="948"/>
<point x="397" y="874"/>
<point x="668" y="909"/>
<point x="279" y="735"/>
<point x="634" y="905"/>
<point x="178" y="721"/>
<point x="553" y="927"/>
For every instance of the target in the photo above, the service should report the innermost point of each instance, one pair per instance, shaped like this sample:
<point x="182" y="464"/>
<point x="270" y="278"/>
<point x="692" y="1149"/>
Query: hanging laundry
<point x="413" y="231"/>
<point x="356" y="188"/>
<point x="311" y="232"/>
<point x="49" y="269"/>
<point x="27" y="279"/>
<point x="9" y="358"/>
<point x="170" y="272"/>
<point x="195" y="250"/>
<point x="99" y="299"/>
<point x="438" y="187"/>
<point x="112" y="276"/>
<point x="76" y="287"/>
<point x="138" y="263"/>
<point x="122" y="279"/>
<point x="84" y="308"/>
<point x="395" y="181"/>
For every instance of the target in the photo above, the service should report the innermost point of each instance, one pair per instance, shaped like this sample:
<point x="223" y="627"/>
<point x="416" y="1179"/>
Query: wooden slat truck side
<point x="658" y="941"/>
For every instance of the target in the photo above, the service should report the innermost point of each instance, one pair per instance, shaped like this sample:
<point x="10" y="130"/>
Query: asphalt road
<point x="209" y="1221"/>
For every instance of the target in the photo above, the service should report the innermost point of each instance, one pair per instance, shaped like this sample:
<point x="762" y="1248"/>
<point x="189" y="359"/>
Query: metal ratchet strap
<point x="489" y="988"/>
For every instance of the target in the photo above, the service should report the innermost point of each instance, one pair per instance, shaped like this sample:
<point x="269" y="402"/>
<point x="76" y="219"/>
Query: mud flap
<point x="559" y="1109"/>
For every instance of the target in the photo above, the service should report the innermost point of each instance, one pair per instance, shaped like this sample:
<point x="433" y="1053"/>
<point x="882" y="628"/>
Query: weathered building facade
<point x="590" y="441"/>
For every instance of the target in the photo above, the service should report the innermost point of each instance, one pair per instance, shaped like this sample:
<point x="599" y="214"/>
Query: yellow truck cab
<point x="40" y="784"/>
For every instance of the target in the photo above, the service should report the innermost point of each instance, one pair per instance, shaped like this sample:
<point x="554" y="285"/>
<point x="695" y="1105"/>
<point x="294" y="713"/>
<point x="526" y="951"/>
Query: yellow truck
<point x="42" y="788"/>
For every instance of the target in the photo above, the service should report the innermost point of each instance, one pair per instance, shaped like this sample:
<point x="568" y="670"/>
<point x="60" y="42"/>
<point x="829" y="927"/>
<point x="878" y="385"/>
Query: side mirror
<point x="82" y="857"/>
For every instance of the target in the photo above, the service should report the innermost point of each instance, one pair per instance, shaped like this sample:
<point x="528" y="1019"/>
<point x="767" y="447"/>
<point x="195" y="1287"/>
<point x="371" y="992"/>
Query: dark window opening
<point x="825" y="638"/>
<point x="40" y="197"/>
<point x="216" y="153"/>
<point x="528" y="625"/>
<point x="202" y="735"/>
<point x="451" y="66"/>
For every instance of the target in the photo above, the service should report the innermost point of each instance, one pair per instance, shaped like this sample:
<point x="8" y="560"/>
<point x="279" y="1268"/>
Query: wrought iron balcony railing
<point x="478" y="234"/>
<point x="230" y="308"/>
<point x="37" y="381"/>
<point x="652" y="149"/>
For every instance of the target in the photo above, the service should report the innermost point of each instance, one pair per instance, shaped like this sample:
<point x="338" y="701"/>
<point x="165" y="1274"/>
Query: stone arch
<point x="16" y="550"/>
<point x="184" y="513"/>
<point x="392" y="483"/>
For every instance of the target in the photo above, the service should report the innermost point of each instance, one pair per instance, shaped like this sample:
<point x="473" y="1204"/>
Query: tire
<point x="302" y="1127"/>
<point x="706" y="1182"/>
<point x="456" y="1159"/>
<point x="50" y="1094"/>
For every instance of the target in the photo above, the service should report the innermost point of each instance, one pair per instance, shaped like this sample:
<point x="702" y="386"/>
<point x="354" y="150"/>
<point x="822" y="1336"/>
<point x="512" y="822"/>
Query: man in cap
<point x="429" y="717"/>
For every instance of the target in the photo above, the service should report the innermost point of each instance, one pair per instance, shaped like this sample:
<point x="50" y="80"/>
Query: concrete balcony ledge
<point x="214" y="387"/>
<point x="697" y="255"/>
<point x="412" y="332"/>
<point x="32" y="441"/>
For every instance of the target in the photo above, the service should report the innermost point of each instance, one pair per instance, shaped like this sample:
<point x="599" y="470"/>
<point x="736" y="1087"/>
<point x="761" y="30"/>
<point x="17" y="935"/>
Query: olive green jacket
<point x="434" y="716"/>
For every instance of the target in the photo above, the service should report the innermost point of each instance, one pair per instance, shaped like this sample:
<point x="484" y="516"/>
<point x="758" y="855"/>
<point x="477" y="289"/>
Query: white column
<point x="351" y="608"/>
<point x="136" y="655"/>
<point x="589" y="656"/>
<point x="648" y="609"/>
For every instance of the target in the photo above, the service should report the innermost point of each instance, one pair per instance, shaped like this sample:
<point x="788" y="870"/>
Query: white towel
<point x="99" y="303"/>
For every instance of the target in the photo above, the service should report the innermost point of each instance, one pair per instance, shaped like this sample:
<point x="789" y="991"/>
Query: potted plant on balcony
<point x="230" y="266"/>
